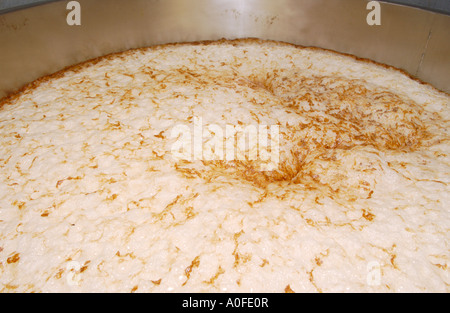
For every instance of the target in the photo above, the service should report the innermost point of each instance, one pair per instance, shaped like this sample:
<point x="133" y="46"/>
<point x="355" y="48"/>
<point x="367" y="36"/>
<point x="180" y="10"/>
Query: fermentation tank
<point x="43" y="39"/>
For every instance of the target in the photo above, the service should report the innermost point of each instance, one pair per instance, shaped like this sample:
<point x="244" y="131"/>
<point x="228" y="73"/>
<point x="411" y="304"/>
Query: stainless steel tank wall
<point x="38" y="41"/>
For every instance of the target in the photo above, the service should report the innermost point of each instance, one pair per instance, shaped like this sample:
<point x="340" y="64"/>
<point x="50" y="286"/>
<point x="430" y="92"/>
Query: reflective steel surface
<point x="38" y="41"/>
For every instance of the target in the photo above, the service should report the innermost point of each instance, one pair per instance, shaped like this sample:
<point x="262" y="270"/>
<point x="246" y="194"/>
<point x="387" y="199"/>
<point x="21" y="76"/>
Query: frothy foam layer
<point x="91" y="198"/>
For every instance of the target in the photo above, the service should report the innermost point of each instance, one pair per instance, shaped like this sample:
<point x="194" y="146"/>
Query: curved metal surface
<point x="37" y="41"/>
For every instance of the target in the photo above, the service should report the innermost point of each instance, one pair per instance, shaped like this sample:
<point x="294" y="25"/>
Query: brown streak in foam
<point x="376" y="118"/>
